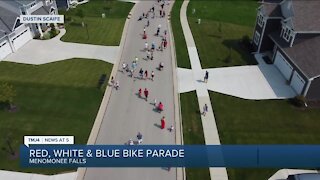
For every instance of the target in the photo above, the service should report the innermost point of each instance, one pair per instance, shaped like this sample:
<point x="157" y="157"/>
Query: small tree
<point x="80" y="14"/>
<point x="7" y="93"/>
<point x="53" y="31"/>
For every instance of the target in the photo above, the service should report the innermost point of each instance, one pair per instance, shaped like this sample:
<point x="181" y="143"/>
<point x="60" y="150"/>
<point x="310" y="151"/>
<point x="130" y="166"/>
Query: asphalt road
<point x="126" y="113"/>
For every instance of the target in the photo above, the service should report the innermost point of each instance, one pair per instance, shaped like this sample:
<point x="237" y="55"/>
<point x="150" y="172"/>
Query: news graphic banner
<point x="232" y="156"/>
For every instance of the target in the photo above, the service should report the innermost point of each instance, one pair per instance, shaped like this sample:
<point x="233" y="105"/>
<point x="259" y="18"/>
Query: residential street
<point x="126" y="113"/>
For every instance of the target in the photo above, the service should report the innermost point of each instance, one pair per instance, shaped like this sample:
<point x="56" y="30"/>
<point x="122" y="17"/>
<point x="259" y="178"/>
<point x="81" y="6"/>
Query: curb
<point x="181" y="173"/>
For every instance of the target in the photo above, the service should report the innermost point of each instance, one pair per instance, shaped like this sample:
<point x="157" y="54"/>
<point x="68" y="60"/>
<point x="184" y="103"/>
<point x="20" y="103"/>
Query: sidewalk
<point x="11" y="175"/>
<point x="210" y="130"/>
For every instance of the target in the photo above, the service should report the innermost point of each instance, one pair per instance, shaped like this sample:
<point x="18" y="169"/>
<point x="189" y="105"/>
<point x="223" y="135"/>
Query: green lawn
<point x="192" y="131"/>
<point x="101" y="31"/>
<point x="242" y="121"/>
<point x="59" y="98"/>
<point x="223" y="24"/>
<point x="180" y="43"/>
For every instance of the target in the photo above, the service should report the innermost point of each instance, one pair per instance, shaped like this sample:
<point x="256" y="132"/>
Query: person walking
<point x="152" y="75"/>
<point x="146" y="46"/>
<point x="165" y="42"/>
<point x="111" y="81"/>
<point x="117" y="85"/>
<point x="148" y="23"/>
<point x="171" y="128"/>
<point x="153" y="46"/>
<point x="140" y="92"/>
<point x="146" y="93"/>
<point x="155" y="102"/>
<point x="206" y="77"/>
<point x="146" y="74"/>
<point x="139" y="137"/>
<point x="148" y="54"/>
<point x="141" y="73"/>
<point x="163" y="122"/>
<point x="205" y="109"/>
<point x="151" y="55"/>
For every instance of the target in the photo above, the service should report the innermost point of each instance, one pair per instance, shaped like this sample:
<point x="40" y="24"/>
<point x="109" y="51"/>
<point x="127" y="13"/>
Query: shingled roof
<point x="306" y="15"/>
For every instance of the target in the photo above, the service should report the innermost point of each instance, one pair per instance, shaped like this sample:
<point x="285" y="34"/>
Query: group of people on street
<point x="149" y="49"/>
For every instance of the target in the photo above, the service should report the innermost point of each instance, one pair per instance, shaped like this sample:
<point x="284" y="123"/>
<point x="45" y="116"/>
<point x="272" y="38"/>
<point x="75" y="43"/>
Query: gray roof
<point x="303" y="53"/>
<point x="7" y="19"/>
<point x="271" y="10"/>
<point x="306" y="15"/>
<point x="40" y="11"/>
<point x="24" y="2"/>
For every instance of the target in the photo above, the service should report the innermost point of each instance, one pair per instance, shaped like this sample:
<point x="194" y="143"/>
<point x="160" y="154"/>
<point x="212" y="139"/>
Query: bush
<point x="299" y="101"/>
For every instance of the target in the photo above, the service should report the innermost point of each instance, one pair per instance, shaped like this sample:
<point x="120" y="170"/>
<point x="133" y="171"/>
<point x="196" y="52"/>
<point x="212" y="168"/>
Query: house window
<point x="256" y="37"/>
<point x="33" y="4"/>
<point x="286" y="33"/>
<point x="260" y="20"/>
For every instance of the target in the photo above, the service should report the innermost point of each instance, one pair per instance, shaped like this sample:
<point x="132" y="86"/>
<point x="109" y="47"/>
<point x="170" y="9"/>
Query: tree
<point x="80" y="14"/>
<point x="7" y="93"/>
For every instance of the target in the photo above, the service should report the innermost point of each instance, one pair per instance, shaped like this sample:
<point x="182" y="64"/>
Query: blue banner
<point x="233" y="156"/>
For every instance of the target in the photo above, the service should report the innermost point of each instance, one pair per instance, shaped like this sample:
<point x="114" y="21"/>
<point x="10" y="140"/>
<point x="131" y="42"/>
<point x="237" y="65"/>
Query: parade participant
<point x="140" y="91"/>
<point x="163" y="122"/>
<point x="139" y="137"/>
<point x="146" y="74"/>
<point x="146" y="93"/>
<point x="152" y="75"/>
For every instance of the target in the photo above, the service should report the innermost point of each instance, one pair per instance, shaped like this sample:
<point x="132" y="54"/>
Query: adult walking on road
<point x="152" y="75"/>
<point x="163" y="122"/>
<point x="145" y="74"/>
<point x="206" y="77"/>
<point x="146" y="93"/>
<point x="139" y="137"/>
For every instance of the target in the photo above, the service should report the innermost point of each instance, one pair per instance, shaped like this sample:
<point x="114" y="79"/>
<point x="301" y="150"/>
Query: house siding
<point x="259" y="29"/>
<point x="314" y="90"/>
<point x="271" y="26"/>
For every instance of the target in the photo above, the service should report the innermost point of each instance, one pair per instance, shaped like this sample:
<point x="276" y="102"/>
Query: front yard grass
<point x="59" y="98"/>
<point x="223" y="25"/>
<point x="242" y="121"/>
<point x="101" y="31"/>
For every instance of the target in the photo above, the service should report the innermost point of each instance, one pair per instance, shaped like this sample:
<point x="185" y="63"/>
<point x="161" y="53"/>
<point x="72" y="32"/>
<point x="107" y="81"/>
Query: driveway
<point x="248" y="82"/>
<point x="47" y="51"/>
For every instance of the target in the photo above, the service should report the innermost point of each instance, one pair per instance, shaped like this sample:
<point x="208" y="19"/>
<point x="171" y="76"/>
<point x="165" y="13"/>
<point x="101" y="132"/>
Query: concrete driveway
<point x="47" y="51"/>
<point x="248" y="82"/>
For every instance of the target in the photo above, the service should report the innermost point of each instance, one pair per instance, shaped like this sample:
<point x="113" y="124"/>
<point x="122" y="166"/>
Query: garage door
<point x="284" y="67"/>
<point x="4" y="49"/>
<point x="21" y="39"/>
<point x="297" y="82"/>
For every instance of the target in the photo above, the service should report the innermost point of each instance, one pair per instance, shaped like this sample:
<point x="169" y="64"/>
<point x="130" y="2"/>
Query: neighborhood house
<point x="289" y="31"/>
<point x="14" y="34"/>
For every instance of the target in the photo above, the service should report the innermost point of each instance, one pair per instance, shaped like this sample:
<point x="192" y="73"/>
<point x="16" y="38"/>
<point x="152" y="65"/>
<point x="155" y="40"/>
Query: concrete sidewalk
<point x="11" y="175"/>
<point x="52" y="50"/>
<point x="210" y="130"/>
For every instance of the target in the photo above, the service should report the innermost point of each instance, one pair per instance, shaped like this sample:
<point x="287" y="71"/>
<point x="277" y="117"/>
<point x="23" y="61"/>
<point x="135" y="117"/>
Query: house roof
<point x="24" y="2"/>
<point x="303" y="53"/>
<point x="7" y="19"/>
<point x="271" y="10"/>
<point x="306" y="15"/>
<point x="40" y="11"/>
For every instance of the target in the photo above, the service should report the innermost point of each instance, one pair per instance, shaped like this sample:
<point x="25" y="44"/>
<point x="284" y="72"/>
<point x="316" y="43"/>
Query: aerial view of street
<point x="158" y="72"/>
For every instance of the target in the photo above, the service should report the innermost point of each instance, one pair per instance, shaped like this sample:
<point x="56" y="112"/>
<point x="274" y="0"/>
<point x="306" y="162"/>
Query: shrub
<point x="299" y="101"/>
